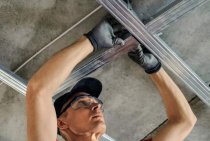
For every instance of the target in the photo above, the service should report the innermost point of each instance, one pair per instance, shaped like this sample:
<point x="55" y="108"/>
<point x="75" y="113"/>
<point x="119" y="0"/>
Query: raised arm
<point x="41" y="117"/>
<point x="180" y="116"/>
<point x="181" y="119"/>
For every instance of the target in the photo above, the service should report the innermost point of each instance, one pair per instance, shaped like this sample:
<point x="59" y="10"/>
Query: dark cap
<point x="88" y="85"/>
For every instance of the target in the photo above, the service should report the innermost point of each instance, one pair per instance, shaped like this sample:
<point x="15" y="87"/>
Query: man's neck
<point x="87" y="137"/>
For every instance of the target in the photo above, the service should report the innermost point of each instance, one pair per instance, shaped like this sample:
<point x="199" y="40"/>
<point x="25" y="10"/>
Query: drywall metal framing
<point x="154" y="27"/>
<point x="156" y="45"/>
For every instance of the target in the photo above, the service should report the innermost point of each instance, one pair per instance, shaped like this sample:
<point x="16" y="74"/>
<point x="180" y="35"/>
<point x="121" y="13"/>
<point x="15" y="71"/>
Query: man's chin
<point x="100" y="127"/>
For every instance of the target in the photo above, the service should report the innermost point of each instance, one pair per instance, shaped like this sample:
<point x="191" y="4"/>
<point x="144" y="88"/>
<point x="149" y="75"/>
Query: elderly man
<point x="78" y="114"/>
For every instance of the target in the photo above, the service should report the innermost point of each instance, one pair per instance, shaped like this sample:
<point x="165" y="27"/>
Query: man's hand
<point x="145" y="59"/>
<point x="109" y="32"/>
<point x="103" y="36"/>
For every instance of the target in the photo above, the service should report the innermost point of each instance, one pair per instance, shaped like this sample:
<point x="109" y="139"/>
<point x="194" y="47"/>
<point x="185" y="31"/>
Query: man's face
<point x="82" y="120"/>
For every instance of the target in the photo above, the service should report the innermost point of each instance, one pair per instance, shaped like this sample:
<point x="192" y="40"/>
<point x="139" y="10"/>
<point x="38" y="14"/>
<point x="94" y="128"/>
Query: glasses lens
<point x="85" y="102"/>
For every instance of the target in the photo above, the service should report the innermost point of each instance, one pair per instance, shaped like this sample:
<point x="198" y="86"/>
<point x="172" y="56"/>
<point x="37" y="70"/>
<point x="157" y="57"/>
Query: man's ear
<point x="62" y="124"/>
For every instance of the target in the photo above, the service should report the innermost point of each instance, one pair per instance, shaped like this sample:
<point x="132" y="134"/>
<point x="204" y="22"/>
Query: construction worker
<point x="78" y="114"/>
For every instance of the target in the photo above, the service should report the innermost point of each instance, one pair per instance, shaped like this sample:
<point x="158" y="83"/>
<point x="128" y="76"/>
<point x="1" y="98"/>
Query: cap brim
<point x="88" y="85"/>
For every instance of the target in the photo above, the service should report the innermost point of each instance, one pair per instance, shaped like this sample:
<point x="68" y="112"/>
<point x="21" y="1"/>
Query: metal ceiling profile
<point x="157" y="46"/>
<point x="153" y="26"/>
<point x="12" y="80"/>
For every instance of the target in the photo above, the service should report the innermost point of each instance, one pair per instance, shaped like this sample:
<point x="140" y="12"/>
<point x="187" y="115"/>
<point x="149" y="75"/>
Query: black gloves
<point x="103" y="36"/>
<point x="109" y="32"/>
<point x="145" y="59"/>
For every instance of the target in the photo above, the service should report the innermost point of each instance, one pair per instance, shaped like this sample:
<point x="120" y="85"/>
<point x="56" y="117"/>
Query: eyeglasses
<point x="83" y="101"/>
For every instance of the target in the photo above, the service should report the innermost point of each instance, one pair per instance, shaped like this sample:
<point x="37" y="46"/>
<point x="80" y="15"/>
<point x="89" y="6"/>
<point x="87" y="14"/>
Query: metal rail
<point x="173" y="14"/>
<point x="169" y="58"/>
<point x="12" y="80"/>
<point x="153" y="26"/>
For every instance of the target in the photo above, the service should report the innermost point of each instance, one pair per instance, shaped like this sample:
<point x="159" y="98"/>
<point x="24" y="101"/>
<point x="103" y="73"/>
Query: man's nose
<point x="96" y="106"/>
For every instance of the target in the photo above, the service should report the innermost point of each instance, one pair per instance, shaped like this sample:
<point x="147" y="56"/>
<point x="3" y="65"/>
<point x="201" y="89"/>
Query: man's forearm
<point x="176" y="104"/>
<point x="52" y="74"/>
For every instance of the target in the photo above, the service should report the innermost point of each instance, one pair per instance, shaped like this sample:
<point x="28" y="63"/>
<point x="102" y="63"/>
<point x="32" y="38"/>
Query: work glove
<point x="103" y="36"/>
<point x="145" y="59"/>
<point x="109" y="32"/>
